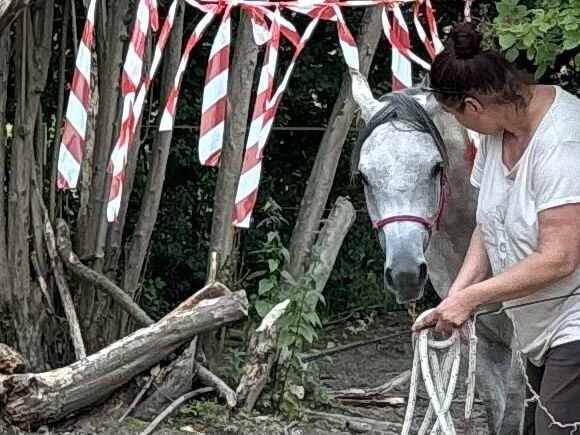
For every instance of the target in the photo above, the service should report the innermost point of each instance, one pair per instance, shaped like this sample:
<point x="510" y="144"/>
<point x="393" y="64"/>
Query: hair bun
<point x="466" y="40"/>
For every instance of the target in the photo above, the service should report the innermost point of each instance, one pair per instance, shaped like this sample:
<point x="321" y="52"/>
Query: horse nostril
<point x="389" y="277"/>
<point x="423" y="271"/>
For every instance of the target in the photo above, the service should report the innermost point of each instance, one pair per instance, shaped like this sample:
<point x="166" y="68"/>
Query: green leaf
<point x="263" y="308"/>
<point x="503" y="8"/>
<point x="531" y="52"/>
<point x="289" y="278"/>
<point x="506" y="40"/>
<point x="570" y="44"/>
<point x="512" y="54"/>
<point x="255" y="274"/>
<point x="273" y="265"/>
<point x="265" y="286"/>
<point x="529" y="39"/>
<point x="540" y="71"/>
<point x="577" y="61"/>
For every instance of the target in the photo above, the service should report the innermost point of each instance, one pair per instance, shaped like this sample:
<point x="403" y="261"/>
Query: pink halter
<point x="428" y="223"/>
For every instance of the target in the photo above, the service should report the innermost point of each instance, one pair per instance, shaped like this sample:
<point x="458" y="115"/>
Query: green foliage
<point x="232" y="365"/>
<point x="151" y="299"/>
<point x="543" y="30"/>
<point x="208" y="411"/>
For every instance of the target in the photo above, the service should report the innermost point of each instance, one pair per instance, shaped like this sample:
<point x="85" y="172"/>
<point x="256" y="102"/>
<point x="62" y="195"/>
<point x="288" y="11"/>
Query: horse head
<point x="402" y="162"/>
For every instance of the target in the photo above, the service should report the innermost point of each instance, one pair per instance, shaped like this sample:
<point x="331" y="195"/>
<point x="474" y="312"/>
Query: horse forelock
<point x="404" y="108"/>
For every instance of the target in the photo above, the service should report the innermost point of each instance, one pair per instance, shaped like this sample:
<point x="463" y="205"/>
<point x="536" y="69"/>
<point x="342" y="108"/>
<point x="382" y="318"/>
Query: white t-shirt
<point x="546" y="176"/>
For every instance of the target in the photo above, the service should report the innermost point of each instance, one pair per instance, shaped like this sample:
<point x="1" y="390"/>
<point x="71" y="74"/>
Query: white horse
<point x="408" y="151"/>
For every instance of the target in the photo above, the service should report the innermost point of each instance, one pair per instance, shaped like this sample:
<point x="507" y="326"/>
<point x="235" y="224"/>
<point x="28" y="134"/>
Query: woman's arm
<point x="557" y="257"/>
<point x="475" y="266"/>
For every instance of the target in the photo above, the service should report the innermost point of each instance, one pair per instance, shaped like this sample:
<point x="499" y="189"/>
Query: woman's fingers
<point x="428" y="321"/>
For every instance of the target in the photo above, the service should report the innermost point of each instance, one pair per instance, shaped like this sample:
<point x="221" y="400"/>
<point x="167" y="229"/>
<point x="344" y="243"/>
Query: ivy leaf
<point x="506" y="40"/>
<point x="265" y="286"/>
<point x="512" y="54"/>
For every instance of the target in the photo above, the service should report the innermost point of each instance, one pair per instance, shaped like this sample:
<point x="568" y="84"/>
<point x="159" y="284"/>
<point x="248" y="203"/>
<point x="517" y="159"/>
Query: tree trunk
<point x="5" y="54"/>
<point x="32" y="399"/>
<point x="111" y="35"/>
<point x="324" y="170"/>
<point x="139" y="244"/>
<point x="240" y="93"/>
<point x="33" y="48"/>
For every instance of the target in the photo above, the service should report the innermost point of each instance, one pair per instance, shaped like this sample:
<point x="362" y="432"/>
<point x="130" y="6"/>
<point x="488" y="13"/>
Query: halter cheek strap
<point x="428" y="223"/>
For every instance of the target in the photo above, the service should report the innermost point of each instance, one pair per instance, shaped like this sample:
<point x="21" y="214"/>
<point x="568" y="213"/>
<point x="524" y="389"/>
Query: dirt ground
<point x="367" y="366"/>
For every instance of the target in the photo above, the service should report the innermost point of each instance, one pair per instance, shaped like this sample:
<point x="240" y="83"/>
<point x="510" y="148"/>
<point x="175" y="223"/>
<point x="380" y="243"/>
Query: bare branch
<point x="66" y="298"/>
<point x="99" y="281"/>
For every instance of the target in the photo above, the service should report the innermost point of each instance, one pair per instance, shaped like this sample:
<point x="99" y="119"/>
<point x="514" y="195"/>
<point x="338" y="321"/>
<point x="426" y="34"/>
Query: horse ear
<point x="363" y="96"/>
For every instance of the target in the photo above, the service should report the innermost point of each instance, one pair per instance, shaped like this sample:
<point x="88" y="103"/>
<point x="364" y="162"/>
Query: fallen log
<point x="378" y="394"/>
<point x="347" y="421"/>
<point x="36" y="398"/>
<point x="174" y="380"/>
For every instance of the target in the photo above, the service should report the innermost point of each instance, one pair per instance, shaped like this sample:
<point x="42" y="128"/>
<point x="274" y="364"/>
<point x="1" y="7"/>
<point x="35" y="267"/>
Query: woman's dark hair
<point x="463" y="70"/>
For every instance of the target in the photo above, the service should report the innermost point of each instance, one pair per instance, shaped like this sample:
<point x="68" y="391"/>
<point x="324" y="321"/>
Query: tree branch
<point x="99" y="281"/>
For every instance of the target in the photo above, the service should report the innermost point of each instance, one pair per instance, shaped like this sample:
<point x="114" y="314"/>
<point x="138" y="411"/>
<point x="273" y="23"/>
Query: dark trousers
<point x="558" y="384"/>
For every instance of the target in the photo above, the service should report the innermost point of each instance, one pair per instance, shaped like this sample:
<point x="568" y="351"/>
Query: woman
<point x="526" y="245"/>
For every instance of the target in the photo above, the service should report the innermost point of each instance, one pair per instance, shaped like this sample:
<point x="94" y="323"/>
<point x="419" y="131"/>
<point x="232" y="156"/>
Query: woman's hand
<point x="450" y="314"/>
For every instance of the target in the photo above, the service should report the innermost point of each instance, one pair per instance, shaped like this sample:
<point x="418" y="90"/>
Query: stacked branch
<point x="35" y="398"/>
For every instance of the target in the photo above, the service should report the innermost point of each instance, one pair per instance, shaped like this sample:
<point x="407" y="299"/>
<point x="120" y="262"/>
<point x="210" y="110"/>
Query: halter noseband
<point x="428" y="223"/>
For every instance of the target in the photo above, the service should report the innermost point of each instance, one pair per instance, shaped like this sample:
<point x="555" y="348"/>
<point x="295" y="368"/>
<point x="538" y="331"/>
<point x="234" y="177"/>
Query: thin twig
<point x="176" y="404"/>
<point x="41" y="280"/>
<point x="137" y="399"/>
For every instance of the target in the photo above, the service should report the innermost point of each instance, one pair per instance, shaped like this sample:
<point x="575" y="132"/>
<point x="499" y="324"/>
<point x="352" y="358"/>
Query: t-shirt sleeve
<point x="479" y="162"/>
<point x="556" y="178"/>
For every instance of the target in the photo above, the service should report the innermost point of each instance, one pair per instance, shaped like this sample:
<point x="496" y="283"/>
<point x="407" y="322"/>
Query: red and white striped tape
<point x="73" y="139"/>
<point x="251" y="166"/>
<point x="247" y="192"/>
<point x="432" y="44"/>
<point x="168" y="117"/>
<point x="159" y="48"/>
<point x="214" y="103"/>
<point x="131" y="80"/>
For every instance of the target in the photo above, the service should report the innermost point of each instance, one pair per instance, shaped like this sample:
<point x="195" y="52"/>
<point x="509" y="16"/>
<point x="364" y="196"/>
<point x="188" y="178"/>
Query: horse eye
<point x="437" y="169"/>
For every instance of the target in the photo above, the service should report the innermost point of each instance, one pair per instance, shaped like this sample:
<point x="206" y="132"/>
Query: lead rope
<point x="440" y="384"/>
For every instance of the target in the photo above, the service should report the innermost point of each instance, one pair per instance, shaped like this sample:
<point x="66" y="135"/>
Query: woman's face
<point x="483" y="118"/>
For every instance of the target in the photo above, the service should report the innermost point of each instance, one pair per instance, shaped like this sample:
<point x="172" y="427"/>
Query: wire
<point x="289" y="128"/>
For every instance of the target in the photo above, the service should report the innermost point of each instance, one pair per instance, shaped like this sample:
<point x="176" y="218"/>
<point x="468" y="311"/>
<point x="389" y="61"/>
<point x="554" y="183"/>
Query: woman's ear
<point x="473" y="105"/>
